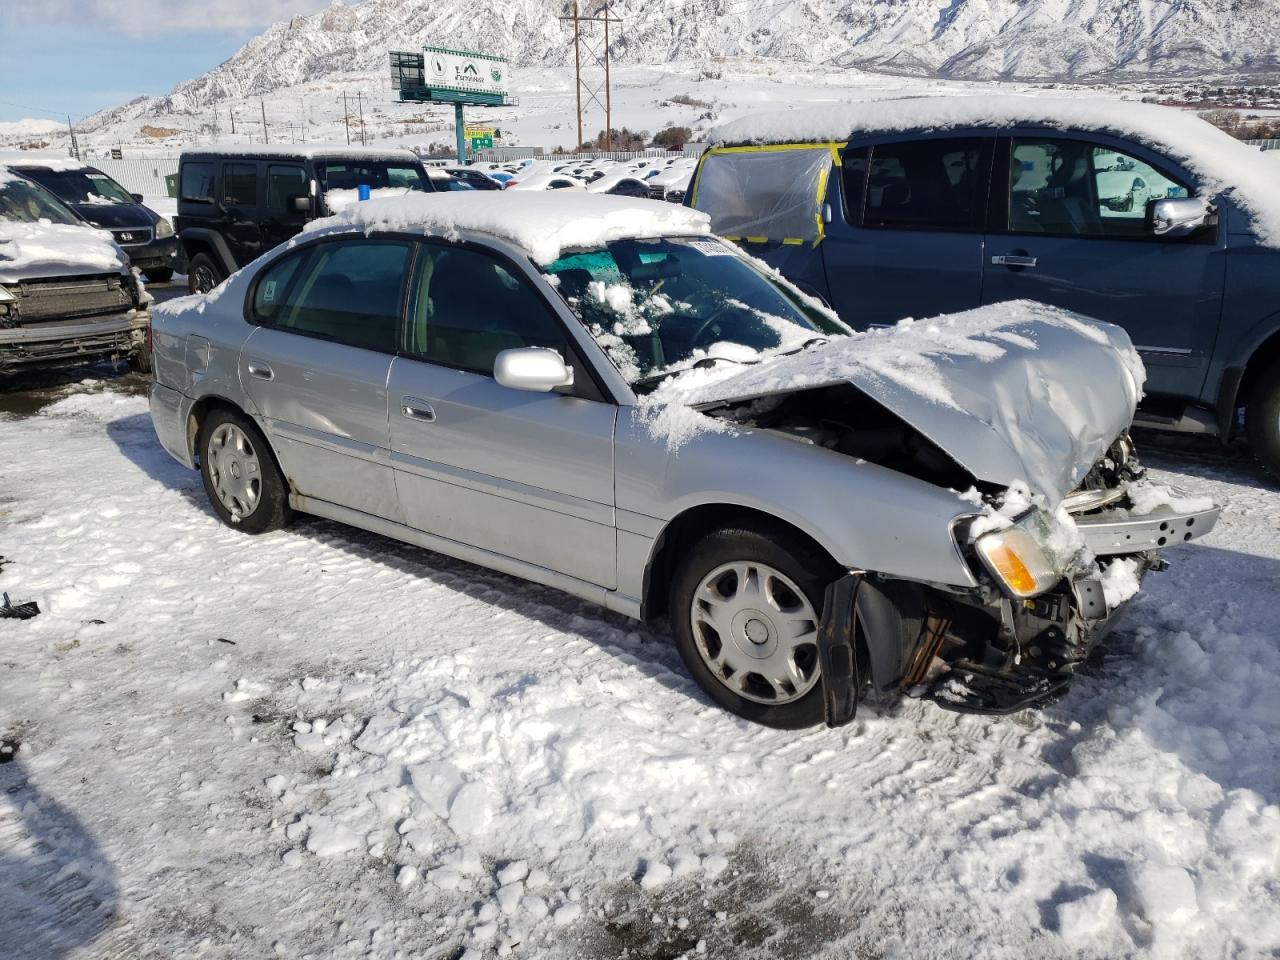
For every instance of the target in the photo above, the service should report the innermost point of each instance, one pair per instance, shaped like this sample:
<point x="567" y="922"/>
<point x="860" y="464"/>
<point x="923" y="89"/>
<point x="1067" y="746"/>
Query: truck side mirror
<point x="300" y="203"/>
<point x="1174" y="217"/>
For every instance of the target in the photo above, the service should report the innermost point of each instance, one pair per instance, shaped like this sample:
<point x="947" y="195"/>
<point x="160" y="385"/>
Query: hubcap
<point x="234" y="470"/>
<point x="757" y="632"/>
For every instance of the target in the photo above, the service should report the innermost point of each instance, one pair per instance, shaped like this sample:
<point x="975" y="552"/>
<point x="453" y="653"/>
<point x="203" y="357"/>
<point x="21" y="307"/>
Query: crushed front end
<point x="1049" y="583"/>
<point x="59" y="320"/>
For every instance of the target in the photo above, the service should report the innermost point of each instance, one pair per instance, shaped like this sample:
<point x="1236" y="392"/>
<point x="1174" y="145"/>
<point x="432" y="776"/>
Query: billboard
<point x="465" y="72"/>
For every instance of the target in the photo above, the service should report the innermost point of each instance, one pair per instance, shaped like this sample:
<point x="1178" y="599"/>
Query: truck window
<point x="1074" y="188"/>
<point x="197" y="182"/>
<point x="927" y="185"/>
<point x="240" y="184"/>
<point x="283" y="182"/>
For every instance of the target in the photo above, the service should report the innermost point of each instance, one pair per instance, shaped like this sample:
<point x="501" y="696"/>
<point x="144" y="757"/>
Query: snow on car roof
<point x="312" y="151"/>
<point x="25" y="158"/>
<point x="544" y="224"/>
<point x="1220" y="162"/>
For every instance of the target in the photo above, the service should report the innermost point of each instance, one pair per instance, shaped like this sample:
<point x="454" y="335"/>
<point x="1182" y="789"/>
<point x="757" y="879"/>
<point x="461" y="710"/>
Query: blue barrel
<point x="362" y="191"/>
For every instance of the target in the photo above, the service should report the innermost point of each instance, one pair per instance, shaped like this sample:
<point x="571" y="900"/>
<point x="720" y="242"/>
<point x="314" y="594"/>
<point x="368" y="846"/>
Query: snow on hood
<point x="544" y="224"/>
<point x="339" y="198"/>
<point x="1221" y="163"/>
<point x="56" y="249"/>
<point x="1016" y="392"/>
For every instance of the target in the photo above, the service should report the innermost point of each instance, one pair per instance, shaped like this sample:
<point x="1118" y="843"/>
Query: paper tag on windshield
<point x="710" y="248"/>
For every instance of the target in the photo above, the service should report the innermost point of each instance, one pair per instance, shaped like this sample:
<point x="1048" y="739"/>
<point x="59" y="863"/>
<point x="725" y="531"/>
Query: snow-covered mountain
<point x="979" y="39"/>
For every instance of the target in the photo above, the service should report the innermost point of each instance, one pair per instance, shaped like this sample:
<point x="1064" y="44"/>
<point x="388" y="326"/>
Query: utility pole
<point x="360" y="105"/>
<point x="75" y="146"/>
<point x="598" y="58"/>
<point x="231" y="109"/>
<point x="263" y="105"/>
<point x="346" y="117"/>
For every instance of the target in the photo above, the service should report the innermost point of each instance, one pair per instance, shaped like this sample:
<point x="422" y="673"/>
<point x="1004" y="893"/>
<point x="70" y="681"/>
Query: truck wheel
<point x="240" y="475"/>
<point x="158" y="274"/>
<point x="745" y="607"/>
<point x="202" y="274"/>
<point x="1262" y="420"/>
<point x="140" y="362"/>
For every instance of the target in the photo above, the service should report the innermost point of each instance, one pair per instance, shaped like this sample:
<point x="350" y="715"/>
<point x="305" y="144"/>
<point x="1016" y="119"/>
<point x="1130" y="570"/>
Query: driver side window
<point x="1074" y="188"/>
<point x="468" y="307"/>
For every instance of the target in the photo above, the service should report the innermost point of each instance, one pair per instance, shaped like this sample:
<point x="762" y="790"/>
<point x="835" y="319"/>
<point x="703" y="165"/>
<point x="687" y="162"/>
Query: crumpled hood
<point x="32" y="250"/>
<point x="1013" y="392"/>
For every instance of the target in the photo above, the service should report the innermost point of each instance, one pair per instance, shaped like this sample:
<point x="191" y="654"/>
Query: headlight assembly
<point x="163" y="229"/>
<point x="1020" y="557"/>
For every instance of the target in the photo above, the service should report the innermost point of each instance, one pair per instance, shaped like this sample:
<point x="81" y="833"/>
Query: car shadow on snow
<point x="58" y="891"/>
<point x="136" y="438"/>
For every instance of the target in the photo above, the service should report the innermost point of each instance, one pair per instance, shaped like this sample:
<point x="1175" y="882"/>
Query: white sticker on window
<point x="269" y="291"/>
<point x="710" y="248"/>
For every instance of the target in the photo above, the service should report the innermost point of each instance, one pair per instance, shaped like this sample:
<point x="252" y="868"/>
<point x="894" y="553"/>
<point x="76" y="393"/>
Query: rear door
<point x="240" y="216"/>
<point x="280" y="221"/>
<point x="908" y="240"/>
<point x="521" y="474"/>
<point x="1070" y="229"/>
<point x="316" y="367"/>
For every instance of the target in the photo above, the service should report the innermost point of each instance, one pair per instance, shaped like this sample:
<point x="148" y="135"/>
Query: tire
<point x="1262" y="421"/>
<point x="202" y="274"/>
<point x="140" y="362"/>
<point x="790" y="578"/>
<point x="232" y="453"/>
<point x="158" y="274"/>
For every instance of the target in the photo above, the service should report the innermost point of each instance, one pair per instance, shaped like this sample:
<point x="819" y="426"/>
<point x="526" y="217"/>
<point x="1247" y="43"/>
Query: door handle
<point x="1014" y="260"/>
<point x="415" y="409"/>
<point x="260" y="370"/>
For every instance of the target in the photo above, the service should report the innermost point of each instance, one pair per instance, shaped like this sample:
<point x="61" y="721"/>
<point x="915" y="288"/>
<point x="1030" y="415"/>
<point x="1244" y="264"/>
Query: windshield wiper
<point x="700" y="364"/>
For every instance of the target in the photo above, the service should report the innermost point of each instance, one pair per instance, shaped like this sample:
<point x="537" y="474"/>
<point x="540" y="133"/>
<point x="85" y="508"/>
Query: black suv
<point x="236" y="203"/>
<point x="145" y="236"/>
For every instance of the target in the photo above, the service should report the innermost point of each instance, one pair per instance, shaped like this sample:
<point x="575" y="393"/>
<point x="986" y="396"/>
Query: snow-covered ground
<point x="323" y="743"/>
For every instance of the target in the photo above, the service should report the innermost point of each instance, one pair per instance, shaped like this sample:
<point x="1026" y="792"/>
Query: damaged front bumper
<point x="70" y="341"/>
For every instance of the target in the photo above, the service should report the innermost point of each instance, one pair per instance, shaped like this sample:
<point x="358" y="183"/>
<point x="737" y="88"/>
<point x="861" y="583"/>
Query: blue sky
<point x="79" y="56"/>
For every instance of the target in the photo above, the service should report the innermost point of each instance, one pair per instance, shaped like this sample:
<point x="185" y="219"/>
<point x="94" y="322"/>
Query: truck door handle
<point x="1014" y="260"/>
<point x="415" y="409"/>
<point x="260" y="370"/>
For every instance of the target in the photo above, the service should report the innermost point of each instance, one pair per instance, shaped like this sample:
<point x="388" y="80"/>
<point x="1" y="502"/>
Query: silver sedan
<point x="594" y="394"/>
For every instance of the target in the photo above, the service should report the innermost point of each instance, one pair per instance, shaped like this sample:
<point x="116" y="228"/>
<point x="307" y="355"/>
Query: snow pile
<point x="1221" y="163"/>
<point x="337" y="200"/>
<point x="57" y="248"/>
<point x="1146" y="497"/>
<point x="543" y="224"/>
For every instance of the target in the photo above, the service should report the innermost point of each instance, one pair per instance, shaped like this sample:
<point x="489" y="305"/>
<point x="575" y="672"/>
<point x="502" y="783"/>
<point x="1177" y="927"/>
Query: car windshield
<point x="375" y="174"/>
<point x="25" y="202"/>
<point x="658" y="307"/>
<point x="81" y="186"/>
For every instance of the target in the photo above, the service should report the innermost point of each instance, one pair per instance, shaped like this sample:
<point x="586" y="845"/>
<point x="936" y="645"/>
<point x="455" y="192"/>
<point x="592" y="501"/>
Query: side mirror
<point x="137" y="197"/>
<point x="1172" y="218"/>
<point x="300" y="203"/>
<point x="532" y="368"/>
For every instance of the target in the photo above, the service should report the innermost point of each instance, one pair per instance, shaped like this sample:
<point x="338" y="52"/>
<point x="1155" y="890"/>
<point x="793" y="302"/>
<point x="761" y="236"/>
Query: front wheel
<point x="240" y="476"/>
<point x="1262" y="420"/>
<point x="202" y="274"/>
<point x="746" y="603"/>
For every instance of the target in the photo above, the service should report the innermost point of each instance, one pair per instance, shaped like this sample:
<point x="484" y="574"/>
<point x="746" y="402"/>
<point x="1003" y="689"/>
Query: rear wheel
<point x="202" y="274"/>
<point x="159" y="274"/>
<point x="140" y="361"/>
<point x="746" y="603"/>
<point x="240" y="475"/>
<point x="1262" y="420"/>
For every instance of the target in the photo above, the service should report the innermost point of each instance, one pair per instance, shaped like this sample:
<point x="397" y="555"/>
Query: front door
<point x="239" y="211"/>
<point x="1072" y="231"/>
<point x="910" y="240"/>
<point x="285" y="182"/>
<point x="316" y="368"/>
<point x="524" y="475"/>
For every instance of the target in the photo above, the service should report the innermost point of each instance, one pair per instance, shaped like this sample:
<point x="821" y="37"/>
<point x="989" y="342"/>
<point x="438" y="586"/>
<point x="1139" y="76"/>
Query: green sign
<point x="482" y="143"/>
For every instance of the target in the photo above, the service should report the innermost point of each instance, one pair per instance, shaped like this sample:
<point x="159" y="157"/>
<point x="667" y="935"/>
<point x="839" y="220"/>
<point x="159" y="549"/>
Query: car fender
<point x="206" y="237"/>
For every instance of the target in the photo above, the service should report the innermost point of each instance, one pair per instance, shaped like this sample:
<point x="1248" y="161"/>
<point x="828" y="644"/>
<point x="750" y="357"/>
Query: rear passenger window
<point x="347" y="291"/>
<point x="468" y="308"/>
<point x="240" y="184"/>
<point x="197" y="182"/>
<point x="928" y="185"/>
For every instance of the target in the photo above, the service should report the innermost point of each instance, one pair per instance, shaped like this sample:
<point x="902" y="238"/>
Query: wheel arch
<point x="204" y="406"/>
<point x="1264" y="357"/>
